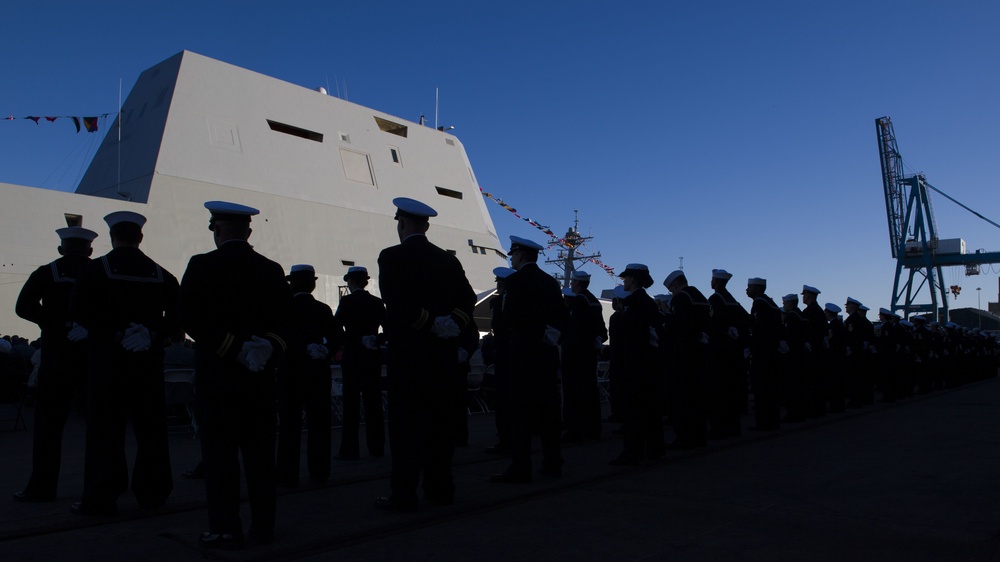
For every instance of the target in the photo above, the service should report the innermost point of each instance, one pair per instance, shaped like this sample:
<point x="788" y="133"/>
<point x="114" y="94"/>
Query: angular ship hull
<point x="323" y="172"/>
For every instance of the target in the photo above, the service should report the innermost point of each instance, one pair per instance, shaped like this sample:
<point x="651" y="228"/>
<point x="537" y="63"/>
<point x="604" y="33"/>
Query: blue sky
<point x="735" y="134"/>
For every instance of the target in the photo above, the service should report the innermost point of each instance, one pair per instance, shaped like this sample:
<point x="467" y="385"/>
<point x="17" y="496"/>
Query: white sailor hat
<point x="757" y="281"/>
<point x="579" y="276"/>
<point x="224" y="210"/>
<point x="721" y="274"/>
<point x="885" y="311"/>
<point x="852" y="300"/>
<point x="503" y="272"/>
<point x="119" y="217"/>
<point x="302" y="270"/>
<point x="790" y="297"/>
<point x="810" y="289"/>
<point x="674" y="276"/>
<point x="567" y="292"/>
<point x="76" y="232"/>
<point x="518" y="243"/>
<point x="620" y="292"/>
<point x="413" y="209"/>
<point x="905" y="323"/>
<point x="357" y="271"/>
<point x="832" y="308"/>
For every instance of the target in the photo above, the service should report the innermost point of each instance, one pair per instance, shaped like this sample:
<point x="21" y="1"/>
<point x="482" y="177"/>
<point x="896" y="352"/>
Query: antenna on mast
<point x="118" y="185"/>
<point x="567" y="256"/>
<point x="435" y="107"/>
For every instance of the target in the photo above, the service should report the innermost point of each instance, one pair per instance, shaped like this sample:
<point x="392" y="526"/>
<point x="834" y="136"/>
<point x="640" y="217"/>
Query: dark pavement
<point x="912" y="480"/>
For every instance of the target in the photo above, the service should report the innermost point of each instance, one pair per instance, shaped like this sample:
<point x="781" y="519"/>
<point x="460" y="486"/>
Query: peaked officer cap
<point x="518" y="243"/>
<point x="413" y="209"/>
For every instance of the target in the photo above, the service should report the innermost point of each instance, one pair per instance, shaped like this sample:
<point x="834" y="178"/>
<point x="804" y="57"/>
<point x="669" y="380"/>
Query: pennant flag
<point x="9" y="118"/>
<point x="76" y="121"/>
<point x="35" y="119"/>
<point x="51" y="119"/>
<point x="90" y="123"/>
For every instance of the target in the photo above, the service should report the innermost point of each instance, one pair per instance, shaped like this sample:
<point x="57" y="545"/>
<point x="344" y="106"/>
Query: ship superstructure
<point x="322" y="170"/>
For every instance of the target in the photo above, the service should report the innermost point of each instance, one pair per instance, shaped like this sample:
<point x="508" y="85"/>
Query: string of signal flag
<point x="558" y="241"/>
<point x="88" y="124"/>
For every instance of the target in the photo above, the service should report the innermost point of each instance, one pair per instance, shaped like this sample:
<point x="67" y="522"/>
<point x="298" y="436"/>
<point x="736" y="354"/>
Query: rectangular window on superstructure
<point x="390" y="127"/>
<point x="448" y="192"/>
<point x="347" y="263"/>
<point x="394" y="154"/>
<point x="295" y="131"/>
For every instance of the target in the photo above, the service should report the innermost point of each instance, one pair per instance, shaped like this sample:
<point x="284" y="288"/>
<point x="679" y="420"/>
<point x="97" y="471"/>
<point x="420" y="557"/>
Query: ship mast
<point x="569" y="246"/>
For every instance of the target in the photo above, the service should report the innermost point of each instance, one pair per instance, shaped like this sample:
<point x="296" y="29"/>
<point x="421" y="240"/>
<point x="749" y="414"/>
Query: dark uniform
<point x="420" y="282"/>
<point x="729" y="327"/>
<point x="792" y="360"/>
<point x="228" y="296"/>
<point x="533" y="301"/>
<point x="689" y="361"/>
<point x="304" y="383"/>
<point x="62" y="373"/>
<point x="584" y="335"/>
<point x="836" y="365"/>
<point x="114" y="292"/>
<point x="639" y="377"/>
<point x="860" y="336"/>
<point x="766" y="332"/>
<point x="814" y="363"/>
<point x="360" y="314"/>
<point x="501" y="376"/>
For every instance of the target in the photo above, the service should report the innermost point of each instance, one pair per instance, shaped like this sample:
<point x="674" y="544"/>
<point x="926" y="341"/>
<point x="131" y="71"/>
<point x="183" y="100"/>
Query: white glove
<point x="136" y="338"/>
<point x="733" y="333"/>
<point x="463" y="355"/>
<point x="317" y="351"/>
<point x="654" y="338"/>
<point x="255" y="353"/>
<point x="77" y="333"/>
<point x="551" y="336"/>
<point x="598" y="344"/>
<point x="703" y="338"/>
<point x="746" y="353"/>
<point x="369" y="342"/>
<point x="444" y="327"/>
<point x="783" y="347"/>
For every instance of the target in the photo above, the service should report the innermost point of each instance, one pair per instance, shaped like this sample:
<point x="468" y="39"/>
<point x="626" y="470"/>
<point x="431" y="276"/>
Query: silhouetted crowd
<point x="264" y="347"/>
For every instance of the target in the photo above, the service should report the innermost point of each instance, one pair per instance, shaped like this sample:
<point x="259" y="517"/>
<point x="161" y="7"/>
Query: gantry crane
<point x="913" y="235"/>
